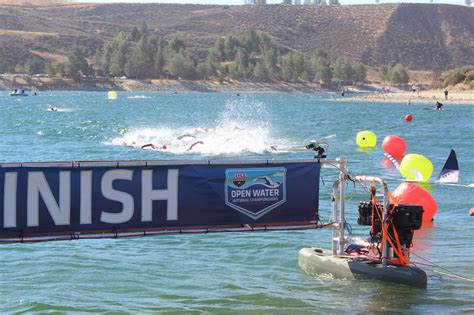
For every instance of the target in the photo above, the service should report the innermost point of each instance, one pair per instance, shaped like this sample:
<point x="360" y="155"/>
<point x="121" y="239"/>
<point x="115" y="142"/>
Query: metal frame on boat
<point x="340" y="264"/>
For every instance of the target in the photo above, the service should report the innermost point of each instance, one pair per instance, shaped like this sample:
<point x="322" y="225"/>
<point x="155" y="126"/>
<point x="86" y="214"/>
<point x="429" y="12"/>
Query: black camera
<point x="318" y="147"/>
<point x="404" y="218"/>
<point x="311" y="145"/>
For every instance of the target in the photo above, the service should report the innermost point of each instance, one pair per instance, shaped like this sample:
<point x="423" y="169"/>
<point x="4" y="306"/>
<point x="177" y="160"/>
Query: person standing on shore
<point x="446" y="94"/>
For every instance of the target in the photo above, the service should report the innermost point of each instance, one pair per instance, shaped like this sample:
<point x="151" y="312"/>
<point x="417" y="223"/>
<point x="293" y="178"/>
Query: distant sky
<point x="231" y="2"/>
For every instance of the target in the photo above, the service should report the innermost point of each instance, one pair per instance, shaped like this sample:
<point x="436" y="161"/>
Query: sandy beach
<point x="404" y="97"/>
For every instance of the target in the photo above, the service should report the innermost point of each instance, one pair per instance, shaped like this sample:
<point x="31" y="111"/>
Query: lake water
<point x="232" y="272"/>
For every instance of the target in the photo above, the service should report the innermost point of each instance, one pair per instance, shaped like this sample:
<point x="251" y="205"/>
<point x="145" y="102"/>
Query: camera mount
<point x="320" y="147"/>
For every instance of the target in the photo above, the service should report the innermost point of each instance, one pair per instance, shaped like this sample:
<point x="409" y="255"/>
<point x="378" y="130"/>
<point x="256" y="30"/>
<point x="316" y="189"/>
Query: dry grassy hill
<point x="420" y="36"/>
<point x="33" y="2"/>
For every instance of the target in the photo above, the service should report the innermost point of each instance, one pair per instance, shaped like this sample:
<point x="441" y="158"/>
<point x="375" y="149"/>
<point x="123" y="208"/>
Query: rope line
<point x="446" y="272"/>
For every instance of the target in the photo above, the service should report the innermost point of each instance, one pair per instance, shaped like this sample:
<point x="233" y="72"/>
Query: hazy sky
<point x="459" y="2"/>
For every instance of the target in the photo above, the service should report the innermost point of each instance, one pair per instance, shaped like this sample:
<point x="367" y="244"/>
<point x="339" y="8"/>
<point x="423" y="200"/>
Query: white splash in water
<point x="138" y="97"/>
<point x="329" y="137"/>
<point x="57" y="109"/>
<point x="242" y="128"/>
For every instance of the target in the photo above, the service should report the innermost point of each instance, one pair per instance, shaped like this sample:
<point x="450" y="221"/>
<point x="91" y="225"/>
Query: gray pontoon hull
<point x="316" y="261"/>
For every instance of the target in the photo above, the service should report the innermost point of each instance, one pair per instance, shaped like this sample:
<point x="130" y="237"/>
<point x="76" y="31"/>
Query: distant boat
<point x="21" y="93"/>
<point x="450" y="172"/>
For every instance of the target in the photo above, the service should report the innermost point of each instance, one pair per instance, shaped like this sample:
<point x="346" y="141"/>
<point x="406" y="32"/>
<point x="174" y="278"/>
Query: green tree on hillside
<point x="292" y="66"/>
<point x="398" y="75"/>
<point x="250" y="55"/>
<point x="118" y="55"/>
<point x="56" y="69"/>
<point x="175" y="45"/>
<point x="360" y="73"/>
<point x="139" y="63"/>
<point x="240" y="70"/>
<point x="159" y="60"/>
<point x="144" y="30"/>
<point x="321" y="67"/>
<point x="217" y="51"/>
<point x="228" y="50"/>
<point x="181" y="66"/>
<point x="77" y="63"/>
<point x="384" y="72"/>
<point x="135" y="35"/>
<point x="464" y="75"/>
<point x="205" y="70"/>
<point x="394" y="73"/>
<point x="31" y="66"/>
<point x="261" y="72"/>
<point x="343" y="70"/>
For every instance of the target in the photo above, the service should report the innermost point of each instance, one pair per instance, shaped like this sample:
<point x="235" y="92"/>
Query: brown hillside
<point x="420" y="36"/>
<point x="33" y="2"/>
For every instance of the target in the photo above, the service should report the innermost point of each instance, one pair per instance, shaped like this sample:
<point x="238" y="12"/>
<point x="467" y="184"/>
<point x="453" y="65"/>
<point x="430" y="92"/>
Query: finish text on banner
<point x="48" y="200"/>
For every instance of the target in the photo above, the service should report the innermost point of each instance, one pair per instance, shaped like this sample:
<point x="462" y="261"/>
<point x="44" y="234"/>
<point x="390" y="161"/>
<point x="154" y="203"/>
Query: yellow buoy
<point x="366" y="139"/>
<point x="112" y="95"/>
<point x="416" y="167"/>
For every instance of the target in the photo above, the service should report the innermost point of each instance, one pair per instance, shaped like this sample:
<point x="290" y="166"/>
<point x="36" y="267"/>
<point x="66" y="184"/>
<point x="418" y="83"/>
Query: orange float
<point x="414" y="194"/>
<point x="394" y="145"/>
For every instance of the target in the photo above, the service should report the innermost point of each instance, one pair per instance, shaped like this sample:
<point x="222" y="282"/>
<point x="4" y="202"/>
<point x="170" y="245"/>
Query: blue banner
<point x="48" y="200"/>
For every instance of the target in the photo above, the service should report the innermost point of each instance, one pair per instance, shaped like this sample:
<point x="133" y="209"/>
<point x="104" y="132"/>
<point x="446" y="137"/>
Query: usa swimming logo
<point x="255" y="192"/>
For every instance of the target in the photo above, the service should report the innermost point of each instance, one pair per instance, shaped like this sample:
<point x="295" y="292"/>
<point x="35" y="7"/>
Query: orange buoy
<point x="413" y="194"/>
<point x="394" y="145"/>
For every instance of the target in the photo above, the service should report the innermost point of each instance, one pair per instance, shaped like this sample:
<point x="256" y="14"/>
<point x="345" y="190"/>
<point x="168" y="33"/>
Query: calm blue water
<point x="247" y="272"/>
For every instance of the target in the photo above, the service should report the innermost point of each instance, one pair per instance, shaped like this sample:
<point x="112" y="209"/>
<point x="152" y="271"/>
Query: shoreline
<point x="45" y="83"/>
<point x="365" y="93"/>
<point x="408" y="98"/>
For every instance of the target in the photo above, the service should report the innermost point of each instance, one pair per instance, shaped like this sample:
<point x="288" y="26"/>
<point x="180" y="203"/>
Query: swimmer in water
<point x="154" y="146"/>
<point x="131" y="144"/>
<point x="271" y="149"/>
<point x="184" y="136"/>
<point x="193" y="145"/>
<point x="53" y="109"/>
<point x="165" y="147"/>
